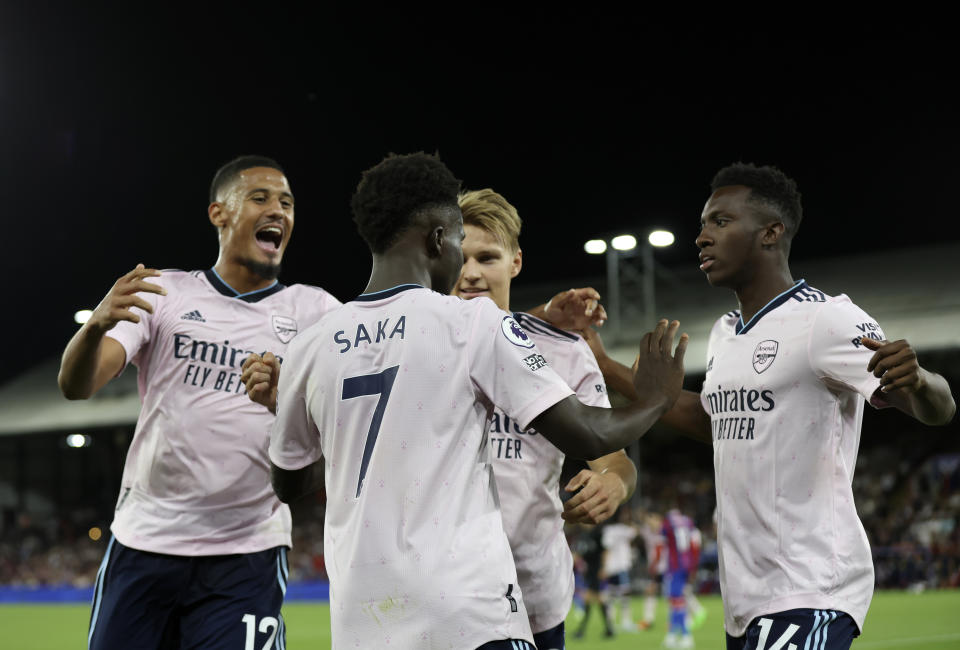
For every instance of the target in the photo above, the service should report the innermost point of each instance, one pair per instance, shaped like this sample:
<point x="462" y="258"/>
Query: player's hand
<point x="599" y="498"/>
<point x="260" y="375"/>
<point x="116" y="305"/>
<point x="895" y="364"/>
<point x="575" y="309"/>
<point x="658" y="371"/>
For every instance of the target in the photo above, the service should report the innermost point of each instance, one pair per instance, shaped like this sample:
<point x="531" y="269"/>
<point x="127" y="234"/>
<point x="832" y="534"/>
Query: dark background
<point x="113" y="121"/>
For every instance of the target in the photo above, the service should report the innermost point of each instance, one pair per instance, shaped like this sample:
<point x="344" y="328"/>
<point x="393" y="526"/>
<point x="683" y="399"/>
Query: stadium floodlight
<point x="624" y="242"/>
<point x="82" y="316"/>
<point x="77" y="440"/>
<point x="660" y="238"/>
<point x="595" y="247"/>
<point x="95" y="533"/>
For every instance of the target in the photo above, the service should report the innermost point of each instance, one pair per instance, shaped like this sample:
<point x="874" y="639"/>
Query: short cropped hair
<point x="768" y="186"/>
<point x="490" y="211"/>
<point x="392" y="192"/>
<point x="227" y="174"/>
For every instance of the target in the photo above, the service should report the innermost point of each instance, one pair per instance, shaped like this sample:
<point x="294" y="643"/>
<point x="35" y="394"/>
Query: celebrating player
<point x="787" y="377"/>
<point x="388" y="398"/>
<point x="198" y="554"/>
<point x="527" y="466"/>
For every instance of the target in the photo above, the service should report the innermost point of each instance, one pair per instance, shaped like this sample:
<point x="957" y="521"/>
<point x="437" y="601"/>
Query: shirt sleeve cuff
<point x="530" y="412"/>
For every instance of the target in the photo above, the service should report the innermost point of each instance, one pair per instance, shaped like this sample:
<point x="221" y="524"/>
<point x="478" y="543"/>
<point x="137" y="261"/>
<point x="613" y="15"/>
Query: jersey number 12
<point x="379" y="384"/>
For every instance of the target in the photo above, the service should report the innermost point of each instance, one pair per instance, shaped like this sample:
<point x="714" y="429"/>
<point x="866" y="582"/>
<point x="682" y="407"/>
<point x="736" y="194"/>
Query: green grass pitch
<point x="928" y="621"/>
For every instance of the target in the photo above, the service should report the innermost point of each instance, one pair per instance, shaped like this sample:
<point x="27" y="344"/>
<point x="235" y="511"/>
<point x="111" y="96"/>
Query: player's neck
<point x="240" y="278"/>
<point x="392" y="271"/>
<point x="761" y="288"/>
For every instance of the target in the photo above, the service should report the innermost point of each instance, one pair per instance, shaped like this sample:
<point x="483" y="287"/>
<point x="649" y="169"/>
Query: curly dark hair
<point x="227" y="174"/>
<point x="768" y="186"/>
<point x="393" y="191"/>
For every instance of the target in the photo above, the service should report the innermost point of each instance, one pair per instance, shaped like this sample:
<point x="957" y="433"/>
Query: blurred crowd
<point x="910" y="509"/>
<point x="50" y="551"/>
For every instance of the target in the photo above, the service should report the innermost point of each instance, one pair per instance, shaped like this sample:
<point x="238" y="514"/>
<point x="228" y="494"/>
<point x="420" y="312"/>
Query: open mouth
<point x="706" y="262"/>
<point x="270" y="237"/>
<point x="472" y="292"/>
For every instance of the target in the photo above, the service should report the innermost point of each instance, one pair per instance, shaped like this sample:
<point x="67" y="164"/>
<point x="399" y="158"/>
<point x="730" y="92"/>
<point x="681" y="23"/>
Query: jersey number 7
<point x="380" y="384"/>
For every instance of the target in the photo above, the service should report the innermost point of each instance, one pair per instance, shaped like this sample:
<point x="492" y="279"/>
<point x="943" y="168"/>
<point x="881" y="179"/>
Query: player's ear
<point x="516" y="264"/>
<point x="434" y="242"/>
<point x="216" y="214"/>
<point x="772" y="234"/>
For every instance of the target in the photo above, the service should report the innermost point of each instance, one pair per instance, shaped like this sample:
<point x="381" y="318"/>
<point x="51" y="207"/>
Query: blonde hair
<point x="488" y="210"/>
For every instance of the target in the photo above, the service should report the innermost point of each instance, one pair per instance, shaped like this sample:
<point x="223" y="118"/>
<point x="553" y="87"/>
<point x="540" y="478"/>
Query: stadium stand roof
<point x="32" y="403"/>
<point x="913" y="293"/>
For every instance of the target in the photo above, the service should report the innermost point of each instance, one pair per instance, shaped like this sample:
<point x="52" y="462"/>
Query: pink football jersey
<point x="196" y="479"/>
<point x="527" y="470"/>
<point x="785" y="394"/>
<point x="394" y="390"/>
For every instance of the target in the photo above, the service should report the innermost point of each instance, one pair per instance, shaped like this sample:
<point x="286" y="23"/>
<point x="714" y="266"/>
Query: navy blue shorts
<point x="150" y="600"/>
<point x="552" y="639"/>
<point x="507" y="644"/>
<point x="804" y="629"/>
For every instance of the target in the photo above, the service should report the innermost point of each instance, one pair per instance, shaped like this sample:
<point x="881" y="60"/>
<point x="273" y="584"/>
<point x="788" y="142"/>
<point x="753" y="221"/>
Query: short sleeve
<point x="295" y="438"/>
<point x="134" y="337"/>
<point x="837" y="356"/>
<point x="506" y="366"/>
<point x="585" y="377"/>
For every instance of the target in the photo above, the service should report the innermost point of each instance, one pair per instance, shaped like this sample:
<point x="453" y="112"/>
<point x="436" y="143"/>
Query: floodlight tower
<point x="620" y="246"/>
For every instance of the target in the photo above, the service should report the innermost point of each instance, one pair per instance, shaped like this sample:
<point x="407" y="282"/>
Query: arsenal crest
<point x="764" y="354"/>
<point x="285" y="328"/>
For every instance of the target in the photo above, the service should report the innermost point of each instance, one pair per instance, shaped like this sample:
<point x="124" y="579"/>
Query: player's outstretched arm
<point x="689" y="419"/>
<point x="290" y="485"/>
<point x="686" y="416"/>
<point x="91" y="359"/>
<point x="574" y="309"/>
<point x="589" y="432"/>
<point x="260" y="375"/>
<point x="919" y="393"/>
<point x="609" y="482"/>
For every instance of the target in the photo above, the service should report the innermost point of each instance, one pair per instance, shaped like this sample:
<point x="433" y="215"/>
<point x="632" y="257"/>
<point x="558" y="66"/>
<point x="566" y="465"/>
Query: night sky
<point x="112" y="125"/>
